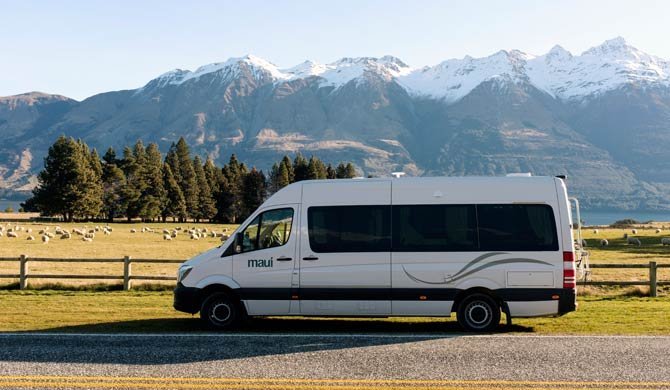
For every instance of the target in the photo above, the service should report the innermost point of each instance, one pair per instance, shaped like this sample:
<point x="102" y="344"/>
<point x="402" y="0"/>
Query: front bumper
<point x="187" y="299"/>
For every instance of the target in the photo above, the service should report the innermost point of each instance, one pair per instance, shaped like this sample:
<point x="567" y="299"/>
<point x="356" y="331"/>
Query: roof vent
<point x="520" y="174"/>
<point x="398" y="175"/>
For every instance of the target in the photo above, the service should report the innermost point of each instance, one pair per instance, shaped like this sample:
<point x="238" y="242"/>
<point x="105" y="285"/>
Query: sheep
<point x="12" y="234"/>
<point x="65" y="236"/>
<point x="109" y="228"/>
<point x="604" y="242"/>
<point x="78" y="232"/>
<point x="1" y="234"/>
<point x="89" y="235"/>
<point x="91" y="231"/>
<point x="665" y="241"/>
<point x="167" y="237"/>
<point x="224" y="237"/>
<point x="86" y="239"/>
<point x="29" y="230"/>
<point x="50" y="235"/>
<point x="30" y="238"/>
<point x="195" y="237"/>
<point x="133" y="230"/>
<point x="634" y="241"/>
<point x="45" y="239"/>
<point x="658" y="231"/>
<point x="165" y="231"/>
<point x="106" y="232"/>
<point x="595" y="231"/>
<point x="634" y="231"/>
<point x="173" y="234"/>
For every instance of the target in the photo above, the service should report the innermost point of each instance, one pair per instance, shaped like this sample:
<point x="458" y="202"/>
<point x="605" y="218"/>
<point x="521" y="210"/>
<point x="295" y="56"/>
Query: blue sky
<point x="80" y="48"/>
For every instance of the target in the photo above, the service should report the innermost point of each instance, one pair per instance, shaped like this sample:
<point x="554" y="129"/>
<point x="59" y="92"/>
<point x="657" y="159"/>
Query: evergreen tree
<point x="300" y="168"/>
<point x="254" y="191"/>
<point x="279" y="177"/>
<point x="330" y="172"/>
<point x="152" y="197"/>
<point x="289" y="168"/>
<point x="133" y="187"/>
<point x="113" y="181"/>
<point x="186" y="177"/>
<point x="234" y="173"/>
<point x="175" y="205"/>
<point x="345" y="171"/>
<point x="316" y="170"/>
<point x="110" y="156"/>
<point x="206" y="206"/>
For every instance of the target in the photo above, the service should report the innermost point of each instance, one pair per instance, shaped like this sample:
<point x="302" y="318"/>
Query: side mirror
<point x="239" y="238"/>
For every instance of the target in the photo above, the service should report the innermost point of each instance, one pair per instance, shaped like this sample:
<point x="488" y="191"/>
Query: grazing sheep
<point x="29" y="230"/>
<point x="49" y="234"/>
<point x="109" y="228"/>
<point x="665" y="241"/>
<point x="595" y="231"/>
<point x="177" y="228"/>
<point x="634" y="241"/>
<point x="165" y="231"/>
<point x="42" y="231"/>
<point x="195" y="237"/>
<point x="45" y="239"/>
<point x="65" y="236"/>
<point x="604" y="242"/>
<point x="224" y="237"/>
<point x="167" y="237"/>
<point x="133" y="230"/>
<point x="89" y="235"/>
<point x="86" y="239"/>
<point x="634" y="231"/>
<point x="106" y="232"/>
<point x="12" y="234"/>
<point x="658" y="231"/>
<point x="173" y="234"/>
<point x="30" y="238"/>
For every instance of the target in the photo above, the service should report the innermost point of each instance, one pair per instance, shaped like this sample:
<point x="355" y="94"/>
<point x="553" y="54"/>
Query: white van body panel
<point x="393" y="282"/>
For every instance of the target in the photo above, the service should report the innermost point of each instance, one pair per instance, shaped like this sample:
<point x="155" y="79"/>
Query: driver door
<point x="265" y="261"/>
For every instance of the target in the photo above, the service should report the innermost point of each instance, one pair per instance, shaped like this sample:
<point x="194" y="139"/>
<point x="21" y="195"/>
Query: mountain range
<point x="601" y="117"/>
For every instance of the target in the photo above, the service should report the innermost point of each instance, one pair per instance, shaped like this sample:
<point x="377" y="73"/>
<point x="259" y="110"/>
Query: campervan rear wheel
<point x="220" y="312"/>
<point x="478" y="313"/>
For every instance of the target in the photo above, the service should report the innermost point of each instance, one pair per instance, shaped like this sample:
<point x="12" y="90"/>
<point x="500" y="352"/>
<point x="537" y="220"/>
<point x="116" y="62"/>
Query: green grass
<point x="149" y="311"/>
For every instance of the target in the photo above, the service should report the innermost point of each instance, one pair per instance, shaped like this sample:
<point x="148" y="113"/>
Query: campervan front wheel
<point x="478" y="313"/>
<point x="220" y="312"/>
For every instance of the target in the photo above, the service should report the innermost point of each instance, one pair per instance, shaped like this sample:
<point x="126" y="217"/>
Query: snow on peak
<point x="558" y="72"/>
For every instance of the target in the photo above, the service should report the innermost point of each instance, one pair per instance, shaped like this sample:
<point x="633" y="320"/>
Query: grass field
<point x="151" y="245"/>
<point x="60" y="311"/>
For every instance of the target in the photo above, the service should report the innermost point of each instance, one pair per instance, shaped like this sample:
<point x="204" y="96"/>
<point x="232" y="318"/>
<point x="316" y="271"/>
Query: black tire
<point x="221" y="312"/>
<point x="478" y="313"/>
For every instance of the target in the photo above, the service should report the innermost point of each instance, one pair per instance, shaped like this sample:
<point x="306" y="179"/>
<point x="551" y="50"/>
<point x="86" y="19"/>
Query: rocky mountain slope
<point x="602" y="118"/>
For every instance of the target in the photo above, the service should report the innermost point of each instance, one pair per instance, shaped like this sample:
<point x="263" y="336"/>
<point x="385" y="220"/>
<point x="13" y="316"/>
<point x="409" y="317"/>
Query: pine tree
<point x="132" y="189"/>
<point x="300" y="168"/>
<point x="254" y="191"/>
<point x="316" y="169"/>
<point x="113" y="181"/>
<point x="152" y="197"/>
<point x="289" y="168"/>
<point x="234" y="173"/>
<point x="186" y="177"/>
<point x="110" y="156"/>
<point x="88" y="202"/>
<point x="279" y="177"/>
<point x="345" y="171"/>
<point x="330" y="172"/>
<point x="175" y="205"/>
<point x="206" y="206"/>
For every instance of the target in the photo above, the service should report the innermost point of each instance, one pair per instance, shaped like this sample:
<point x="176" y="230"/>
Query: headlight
<point x="184" y="270"/>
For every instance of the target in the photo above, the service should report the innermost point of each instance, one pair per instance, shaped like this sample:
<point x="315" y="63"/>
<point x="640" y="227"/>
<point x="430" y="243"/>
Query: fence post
<point x="126" y="274"/>
<point x="652" y="279"/>
<point x="23" y="272"/>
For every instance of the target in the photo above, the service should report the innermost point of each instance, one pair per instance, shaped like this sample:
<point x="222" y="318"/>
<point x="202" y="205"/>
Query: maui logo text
<point x="259" y="263"/>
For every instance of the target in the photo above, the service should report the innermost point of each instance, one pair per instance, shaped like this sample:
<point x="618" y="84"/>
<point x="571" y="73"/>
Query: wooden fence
<point x="128" y="277"/>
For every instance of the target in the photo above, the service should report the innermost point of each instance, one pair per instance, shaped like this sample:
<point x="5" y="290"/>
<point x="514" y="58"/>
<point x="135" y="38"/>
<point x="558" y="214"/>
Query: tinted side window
<point x="513" y="227"/>
<point x="268" y="230"/>
<point x="434" y="228"/>
<point x="349" y="228"/>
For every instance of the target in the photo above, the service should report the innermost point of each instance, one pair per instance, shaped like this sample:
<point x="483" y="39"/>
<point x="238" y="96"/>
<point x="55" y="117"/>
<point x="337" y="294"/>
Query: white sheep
<point x="595" y="231"/>
<point x="12" y="234"/>
<point x="29" y="230"/>
<point x="658" y="231"/>
<point x="65" y="236"/>
<point x="45" y="239"/>
<point x="165" y="231"/>
<point x="173" y="234"/>
<point x="195" y="237"/>
<point x="30" y="238"/>
<point x="224" y="237"/>
<point x="167" y="237"/>
<point x="1" y="233"/>
<point x="634" y="231"/>
<point x="634" y="241"/>
<point x="133" y="230"/>
<point x="106" y="232"/>
<point x="89" y="235"/>
<point x="665" y="241"/>
<point x="604" y="242"/>
<point x="86" y="239"/>
<point x="49" y="234"/>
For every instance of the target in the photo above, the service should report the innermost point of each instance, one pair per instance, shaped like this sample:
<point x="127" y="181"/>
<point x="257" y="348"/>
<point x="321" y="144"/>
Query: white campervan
<point x="475" y="246"/>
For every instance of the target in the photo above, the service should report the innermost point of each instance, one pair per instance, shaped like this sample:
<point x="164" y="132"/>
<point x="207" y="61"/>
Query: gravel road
<point x="248" y="360"/>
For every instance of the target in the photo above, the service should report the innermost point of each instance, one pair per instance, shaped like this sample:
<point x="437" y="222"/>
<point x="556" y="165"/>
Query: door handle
<point x="310" y="258"/>
<point x="284" y="258"/>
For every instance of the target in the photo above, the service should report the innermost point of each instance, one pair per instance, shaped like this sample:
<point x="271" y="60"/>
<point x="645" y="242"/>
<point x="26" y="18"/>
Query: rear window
<point x="516" y="227"/>
<point x="349" y="229"/>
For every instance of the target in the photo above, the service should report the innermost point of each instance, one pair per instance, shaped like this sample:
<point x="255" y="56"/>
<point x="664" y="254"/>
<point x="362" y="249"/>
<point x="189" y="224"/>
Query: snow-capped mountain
<point x="602" y="117"/>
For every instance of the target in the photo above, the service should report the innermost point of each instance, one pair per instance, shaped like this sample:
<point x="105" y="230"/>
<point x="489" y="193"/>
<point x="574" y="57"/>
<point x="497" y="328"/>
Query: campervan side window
<point x="516" y="227"/>
<point x="349" y="229"/>
<point x="268" y="230"/>
<point x="434" y="228"/>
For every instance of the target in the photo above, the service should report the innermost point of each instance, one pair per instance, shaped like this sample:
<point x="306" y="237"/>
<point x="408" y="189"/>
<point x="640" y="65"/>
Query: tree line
<point x="77" y="184"/>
